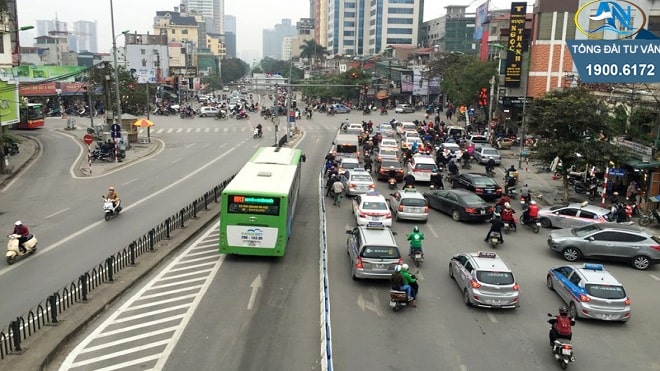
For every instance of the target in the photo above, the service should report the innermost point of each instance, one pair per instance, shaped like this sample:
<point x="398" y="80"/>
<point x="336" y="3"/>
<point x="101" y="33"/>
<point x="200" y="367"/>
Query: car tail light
<point x="656" y="247"/>
<point x="516" y="287"/>
<point x="478" y="190"/>
<point x="372" y="186"/>
<point x="400" y="261"/>
<point x="362" y="214"/>
<point x="470" y="210"/>
<point x="388" y="216"/>
<point x="627" y="302"/>
<point x="499" y="190"/>
<point x="358" y="263"/>
<point x="426" y="209"/>
<point x="490" y="209"/>
<point x="351" y="185"/>
<point x="475" y="284"/>
<point x="400" y="207"/>
<point x="584" y="298"/>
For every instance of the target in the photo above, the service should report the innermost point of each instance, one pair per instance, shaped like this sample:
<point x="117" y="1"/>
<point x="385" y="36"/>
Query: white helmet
<point x="397" y="268"/>
<point x="507" y="205"/>
<point x="532" y="202"/>
<point x="404" y="267"/>
<point x="18" y="222"/>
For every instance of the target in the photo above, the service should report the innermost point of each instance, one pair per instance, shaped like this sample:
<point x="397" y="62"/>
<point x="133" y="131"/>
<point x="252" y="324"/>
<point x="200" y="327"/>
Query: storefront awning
<point x="638" y="164"/>
<point x="36" y="90"/>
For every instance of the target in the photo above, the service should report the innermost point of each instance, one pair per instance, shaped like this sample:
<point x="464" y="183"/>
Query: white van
<point x="455" y="131"/>
<point x="421" y="167"/>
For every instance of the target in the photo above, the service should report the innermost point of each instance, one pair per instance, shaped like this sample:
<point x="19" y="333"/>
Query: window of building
<point x="402" y="1"/>
<point x="173" y="31"/>
<point x="372" y="32"/>
<point x="349" y="5"/>
<point x="349" y="14"/>
<point x="349" y="42"/>
<point x="372" y="22"/>
<point x="396" y="40"/>
<point x="349" y="33"/>
<point x="349" y="23"/>
<point x="184" y="31"/>
<point x="399" y="31"/>
<point x="400" y="20"/>
<point x="400" y="10"/>
<point x="654" y="25"/>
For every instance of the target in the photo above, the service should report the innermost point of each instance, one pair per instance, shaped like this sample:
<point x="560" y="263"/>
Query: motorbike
<point x="98" y="155"/>
<point x="222" y="114"/>
<point x="650" y="217"/>
<point x="509" y="226"/>
<point x="465" y="164"/>
<point x="308" y="115"/>
<point x="366" y="111"/>
<point x="257" y="134"/>
<point x="240" y="115"/>
<point x="392" y="183"/>
<point x="532" y="223"/>
<point x="14" y="252"/>
<point x="494" y="239"/>
<point x="109" y="209"/>
<point x="399" y="299"/>
<point x="187" y="114"/>
<point x="562" y="350"/>
<point x="417" y="257"/>
<point x="11" y="148"/>
<point x="383" y="112"/>
<point x="590" y="188"/>
<point x="512" y="192"/>
<point x="490" y="172"/>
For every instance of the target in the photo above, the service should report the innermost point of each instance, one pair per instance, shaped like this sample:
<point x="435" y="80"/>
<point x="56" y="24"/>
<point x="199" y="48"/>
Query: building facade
<point x="363" y="27"/>
<point x="146" y="56"/>
<point x="273" y="38"/>
<point x="213" y="12"/>
<point x="84" y="37"/>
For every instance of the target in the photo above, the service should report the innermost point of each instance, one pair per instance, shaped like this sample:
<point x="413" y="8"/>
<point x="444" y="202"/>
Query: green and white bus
<point x="259" y="204"/>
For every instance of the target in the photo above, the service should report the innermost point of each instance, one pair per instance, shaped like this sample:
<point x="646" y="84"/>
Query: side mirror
<point x="395" y="233"/>
<point x="303" y="158"/>
<point x="591" y="239"/>
<point x="349" y="231"/>
<point x="550" y="315"/>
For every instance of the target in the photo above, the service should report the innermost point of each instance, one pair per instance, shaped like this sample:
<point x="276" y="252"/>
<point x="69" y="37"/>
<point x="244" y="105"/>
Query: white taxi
<point x="371" y="210"/>
<point x="421" y="167"/>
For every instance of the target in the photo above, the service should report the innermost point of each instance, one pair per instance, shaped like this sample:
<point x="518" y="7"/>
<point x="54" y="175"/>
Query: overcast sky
<point x="252" y="16"/>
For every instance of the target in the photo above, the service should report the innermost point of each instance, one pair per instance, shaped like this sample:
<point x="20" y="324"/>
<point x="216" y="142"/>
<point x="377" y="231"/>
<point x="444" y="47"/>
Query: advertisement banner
<point x="480" y="17"/>
<point x="72" y="88"/>
<point x="514" y="54"/>
<point x="434" y="86"/>
<point x="406" y="82"/>
<point x="38" y="90"/>
<point x="9" y="107"/>
<point x="420" y="85"/>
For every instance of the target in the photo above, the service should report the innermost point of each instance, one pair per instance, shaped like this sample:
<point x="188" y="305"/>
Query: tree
<point x="568" y="124"/>
<point x="461" y="76"/>
<point x="233" y="69"/>
<point x="313" y="51"/>
<point x="133" y="95"/>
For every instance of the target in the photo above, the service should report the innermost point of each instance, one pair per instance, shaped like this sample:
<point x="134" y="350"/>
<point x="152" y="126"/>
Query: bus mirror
<point x="303" y="158"/>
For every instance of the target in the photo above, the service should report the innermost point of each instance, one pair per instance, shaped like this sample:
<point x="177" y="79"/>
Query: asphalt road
<point x="280" y="330"/>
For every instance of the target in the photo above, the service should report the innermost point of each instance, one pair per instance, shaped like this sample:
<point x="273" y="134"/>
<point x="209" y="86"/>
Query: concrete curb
<point x="41" y="350"/>
<point x="24" y="165"/>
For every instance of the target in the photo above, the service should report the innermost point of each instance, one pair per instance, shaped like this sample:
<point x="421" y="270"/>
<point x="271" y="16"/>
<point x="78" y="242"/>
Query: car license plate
<point x="413" y="209"/>
<point x="375" y="218"/>
<point x="483" y="212"/>
<point x="607" y="316"/>
<point x="380" y="266"/>
<point x="496" y="302"/>
<point x="490" y="190"/>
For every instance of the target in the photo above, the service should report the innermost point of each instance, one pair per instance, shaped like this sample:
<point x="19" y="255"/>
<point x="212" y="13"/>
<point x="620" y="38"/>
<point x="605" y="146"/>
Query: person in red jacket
<point x="507" y="215"/>
<point x="23" y="231"/>
<point x="531" y="213"/>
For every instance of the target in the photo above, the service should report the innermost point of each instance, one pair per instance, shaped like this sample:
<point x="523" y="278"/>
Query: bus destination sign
<point x="240" y="204"/>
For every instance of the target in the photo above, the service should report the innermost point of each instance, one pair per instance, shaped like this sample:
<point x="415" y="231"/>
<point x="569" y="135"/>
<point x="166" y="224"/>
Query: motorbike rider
<point x="524" y="192"/>
<point x="561" y="326"/>
<point x="465" y="158"/>
<point x="490" y="166"/>
<point x="399" y="283"/>
<point x="415" y="238"/>
<point x="495" y="226"/>
<point x="507" y="215"/>
<point x="436" y="181"/>
<point x="531" y="213"/>
<point x="409" y="181"/>
<point x="331" y="180"/>
<point x="453" y="168"/>
<point x="391" y="174"/>
<point x="410" y="279"/>
<point x="23" y="232"/>
<point x="368" y="163"/>
<point x="260" y="129"/>
<point x="114" y="196"/>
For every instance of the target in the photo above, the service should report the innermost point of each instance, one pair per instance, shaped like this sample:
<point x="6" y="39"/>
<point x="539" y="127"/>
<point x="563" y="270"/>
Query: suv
<point x="373" y="252"/>
<point x="409" y="204"/>
<point x="484" y="280"/>
<point x="478" y="140"/>
<point x="612" y="241"/>
<point x="590" y="292"/>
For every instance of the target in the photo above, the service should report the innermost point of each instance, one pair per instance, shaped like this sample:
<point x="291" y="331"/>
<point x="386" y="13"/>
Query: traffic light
<point x="354" y="75"/>
<point x="483" y="97"/>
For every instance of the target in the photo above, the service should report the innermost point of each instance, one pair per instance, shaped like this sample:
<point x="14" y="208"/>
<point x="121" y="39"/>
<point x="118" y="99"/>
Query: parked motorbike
<point x="562" y="350"/>
<point x="11" y="149"/>
<point x="98" y="155"/>
<point x="366" y="111"/>
<point x="592" y="189"/>
<point x="186" y="114"/>
<point x="109" y="209"/>
<point x="13" y="250"/>
<point x="649" y="218"/>
<point x="494" y="239"/>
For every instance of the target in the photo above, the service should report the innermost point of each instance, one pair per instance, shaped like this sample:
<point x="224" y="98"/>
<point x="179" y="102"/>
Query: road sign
<point x="617" y="172"/>
<point x="88" y="139"/>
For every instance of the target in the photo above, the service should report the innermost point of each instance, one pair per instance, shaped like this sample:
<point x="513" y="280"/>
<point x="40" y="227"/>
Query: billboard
<point x="514" y="54"/>
<point x="480" y="17"/>
<point x="420" y="84"/>
<point x="406" y="82"/>
<point x="9" y="107"/>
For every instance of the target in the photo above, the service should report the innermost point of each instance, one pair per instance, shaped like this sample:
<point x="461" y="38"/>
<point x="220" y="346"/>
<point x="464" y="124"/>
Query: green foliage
<point x="313" y="51"/>
<point x="257" y="70"/>
<point x="233" y="69"/>
<point x="350" y="83"/>
<point x="213" y="81"/>
<point x="462" y="76"/>
<point x="133" y="95"/>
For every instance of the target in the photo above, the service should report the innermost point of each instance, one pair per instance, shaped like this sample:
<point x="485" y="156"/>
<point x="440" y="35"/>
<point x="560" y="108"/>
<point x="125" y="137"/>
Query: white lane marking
<point x="130" y="181"/>
<point x="179" y="130"/>
<point x="207" y="130"/>
<point x="121" y="353"/>
<point x="170" y="130"/>
<point x="25" y="169"/>
<point x="655" y="277"/>
<point x="491" y="317"/>
<point x="129" y="207"/>
<point x="464" y="368"/>
<point x="57" y="213"/>
<point x="433" y="232"/>
<point x="255" y="285"/>
<point x="198" y="130"/>
<point x="125" y="340"/>
<point x="189" y="130"/>
<point x="189" y="145"/>
<point x="176" y="160"/>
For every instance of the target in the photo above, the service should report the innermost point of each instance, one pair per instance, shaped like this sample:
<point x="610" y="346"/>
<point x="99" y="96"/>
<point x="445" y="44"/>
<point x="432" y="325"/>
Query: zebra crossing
<point x="144" y="330"/>
<point x="189" y="130"/>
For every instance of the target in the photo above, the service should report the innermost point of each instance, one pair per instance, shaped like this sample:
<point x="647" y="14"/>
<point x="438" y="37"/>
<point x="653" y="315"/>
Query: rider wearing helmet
<point x="410" y="279"/>
<point x="495" y="226"/>
<point x="507" y="215"/>
<point x="114" y="196"/>
<point x="415" y="238"/>
<point x="398" y="282"/>
<point x="23" y="232"/>
<point x="561" y="326"/>
<point x="531" y="213"/>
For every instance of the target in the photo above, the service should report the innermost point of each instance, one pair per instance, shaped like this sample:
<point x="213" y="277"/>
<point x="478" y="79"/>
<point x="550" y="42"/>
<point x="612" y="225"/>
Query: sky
<point x="252" y="16"/>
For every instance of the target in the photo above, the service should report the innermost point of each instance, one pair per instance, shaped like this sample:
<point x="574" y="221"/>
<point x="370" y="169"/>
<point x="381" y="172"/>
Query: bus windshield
<point x="35" y="112"/>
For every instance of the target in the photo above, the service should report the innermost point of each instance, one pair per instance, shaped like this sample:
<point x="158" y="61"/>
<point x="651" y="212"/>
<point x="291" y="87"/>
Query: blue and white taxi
<point x="590" y="292"/>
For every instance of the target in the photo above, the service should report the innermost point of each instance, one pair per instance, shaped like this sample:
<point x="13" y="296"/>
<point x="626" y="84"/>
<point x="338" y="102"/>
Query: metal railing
<point x="47" y="311"/>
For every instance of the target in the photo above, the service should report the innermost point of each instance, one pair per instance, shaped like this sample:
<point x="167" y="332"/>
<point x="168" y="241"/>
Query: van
<point x="346" y="145"/>
<point x="421" y="167"/>
<point x="455" y="131"/>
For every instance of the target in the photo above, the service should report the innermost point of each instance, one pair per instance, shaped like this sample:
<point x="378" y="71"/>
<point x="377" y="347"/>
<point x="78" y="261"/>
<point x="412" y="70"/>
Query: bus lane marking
<point x="655" y="277"/>
<point x="255" y="286"/>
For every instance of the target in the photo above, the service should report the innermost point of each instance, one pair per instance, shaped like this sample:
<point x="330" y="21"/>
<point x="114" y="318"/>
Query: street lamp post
<point x="114" y="57"/>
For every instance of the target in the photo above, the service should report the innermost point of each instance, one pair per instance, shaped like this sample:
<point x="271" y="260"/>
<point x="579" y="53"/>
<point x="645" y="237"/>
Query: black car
<point x="460" y="204"/>
<point x="480" y="184"/>
<point x="383" y="169"/>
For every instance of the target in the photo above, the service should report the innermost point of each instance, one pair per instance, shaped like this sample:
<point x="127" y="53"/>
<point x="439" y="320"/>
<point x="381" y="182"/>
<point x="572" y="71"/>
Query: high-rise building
<point x="230" y="44"/>
<point x="319" y="12"/>
<point x="230" y="23"/>
<point x="44" y="26"/>
<point x="273" y="38"/>
<point x="213" y="12"/>
<point x="361" y="27"/>
<point x="85" y="37"/>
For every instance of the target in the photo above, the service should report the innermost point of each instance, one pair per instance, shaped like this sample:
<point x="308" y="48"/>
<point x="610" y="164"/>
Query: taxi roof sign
<point x="487" y="254"/>
<point x="593" y="267"/>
